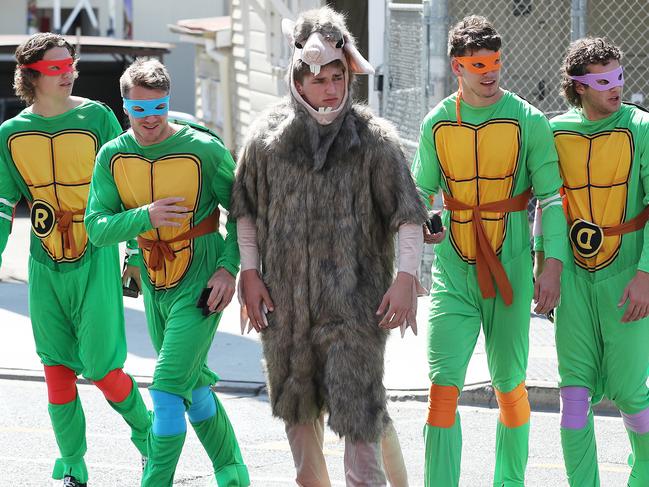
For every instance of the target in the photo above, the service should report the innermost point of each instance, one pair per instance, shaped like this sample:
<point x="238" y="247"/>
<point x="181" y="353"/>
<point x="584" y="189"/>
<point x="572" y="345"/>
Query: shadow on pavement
<point x="13" y="297"/>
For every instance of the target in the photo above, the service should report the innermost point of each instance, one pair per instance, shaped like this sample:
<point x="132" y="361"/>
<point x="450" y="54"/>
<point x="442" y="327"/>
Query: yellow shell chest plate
<point x="57" y="169"/>
<point x="479" y="164"/>
<point x="141" y="181"/>
<point x="595" y="169"/>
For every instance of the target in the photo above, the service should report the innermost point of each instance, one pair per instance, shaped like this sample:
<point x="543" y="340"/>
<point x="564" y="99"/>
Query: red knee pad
<point x="61" y="384"/>
<point x="116" y="386"/>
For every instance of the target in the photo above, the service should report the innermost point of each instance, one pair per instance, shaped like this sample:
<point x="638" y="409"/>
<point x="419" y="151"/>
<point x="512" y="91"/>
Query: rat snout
<point x="312" y="54"/>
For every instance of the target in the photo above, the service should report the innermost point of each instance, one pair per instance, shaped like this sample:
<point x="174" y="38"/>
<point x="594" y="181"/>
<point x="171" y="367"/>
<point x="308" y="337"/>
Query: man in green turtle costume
<point x="162" y="183"/>
<point x="486" y="149"/>
<point x="602" y="328"/>
<point x="47" y="155"/>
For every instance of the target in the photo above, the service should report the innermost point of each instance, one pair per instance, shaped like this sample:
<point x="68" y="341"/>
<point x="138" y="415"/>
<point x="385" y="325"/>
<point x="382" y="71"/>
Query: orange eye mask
<point x="485" y="64"/>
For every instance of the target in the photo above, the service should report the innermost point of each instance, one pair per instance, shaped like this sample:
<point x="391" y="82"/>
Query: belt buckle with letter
<point x="43" y="218"/>
<point x="586" y="237"/>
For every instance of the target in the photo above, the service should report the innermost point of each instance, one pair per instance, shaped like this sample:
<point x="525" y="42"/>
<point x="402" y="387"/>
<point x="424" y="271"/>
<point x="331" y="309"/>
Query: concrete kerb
<point x="543" y="396"/>
<point x="226" y="386"/>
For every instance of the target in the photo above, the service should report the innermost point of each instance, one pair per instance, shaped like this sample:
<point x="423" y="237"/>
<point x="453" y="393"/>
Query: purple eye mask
<point x="602" y="81"/>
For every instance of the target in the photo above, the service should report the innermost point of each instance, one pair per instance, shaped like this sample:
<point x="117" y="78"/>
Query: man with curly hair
<point x="601" y="323"/>
<point x="322" y="189"/>
<point x="486" y="149"/>
<point x="47" y="154"/>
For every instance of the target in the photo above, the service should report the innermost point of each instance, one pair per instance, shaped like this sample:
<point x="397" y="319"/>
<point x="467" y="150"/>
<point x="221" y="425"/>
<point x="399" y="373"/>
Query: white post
<point x="56" y="9"/>
<point x="376" y="47"/>
<point x="111" y="18"/>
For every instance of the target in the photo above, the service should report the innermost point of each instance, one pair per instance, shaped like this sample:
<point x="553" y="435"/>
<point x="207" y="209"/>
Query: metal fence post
<point x="578" y="10"/>
<point x="436" y="19"/>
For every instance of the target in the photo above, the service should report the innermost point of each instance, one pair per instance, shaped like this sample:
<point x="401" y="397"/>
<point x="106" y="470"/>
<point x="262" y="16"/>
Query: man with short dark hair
<point x="485" y="148"/>
<point x="162" y="183"/>
<point x="47" y="154"/>
<point x="322" y="189"/>
<point x="602" y="328"/>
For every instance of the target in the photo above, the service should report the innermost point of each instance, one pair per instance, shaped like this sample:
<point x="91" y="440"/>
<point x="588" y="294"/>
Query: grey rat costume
<point x="327" y="190"/>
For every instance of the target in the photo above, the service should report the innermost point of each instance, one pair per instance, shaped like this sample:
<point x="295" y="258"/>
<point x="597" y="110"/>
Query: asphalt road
<point x="27" y="446"/>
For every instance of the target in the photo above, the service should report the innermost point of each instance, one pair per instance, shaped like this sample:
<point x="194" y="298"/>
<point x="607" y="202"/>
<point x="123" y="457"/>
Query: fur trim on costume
<point x="327" y="202"/>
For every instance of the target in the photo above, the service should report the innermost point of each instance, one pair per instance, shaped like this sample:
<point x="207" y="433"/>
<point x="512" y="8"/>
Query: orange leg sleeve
<point x="442" y="405"/>
<point x="514" y="406"/>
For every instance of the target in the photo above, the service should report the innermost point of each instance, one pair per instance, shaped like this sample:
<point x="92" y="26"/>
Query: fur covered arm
<point x="244" y="191"/>
<point x="393" y="187"/>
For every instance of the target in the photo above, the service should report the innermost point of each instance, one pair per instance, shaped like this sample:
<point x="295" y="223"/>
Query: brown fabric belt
<point x="161" y="250"/>
<point x="633" y="225"/>
<point x="64" y="225"/>
<point x="488" y="264"/>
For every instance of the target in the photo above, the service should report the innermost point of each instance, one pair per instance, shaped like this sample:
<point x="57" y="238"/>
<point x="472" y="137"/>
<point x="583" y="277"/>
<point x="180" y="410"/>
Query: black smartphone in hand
<point x="130" y="289"/>
<point x="434" y="223"/>
<point x="202" y="301"/>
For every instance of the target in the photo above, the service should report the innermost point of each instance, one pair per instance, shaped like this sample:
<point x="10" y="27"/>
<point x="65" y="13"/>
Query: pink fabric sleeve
<point x="247" y="240"/>
<point x="411" y="246"/>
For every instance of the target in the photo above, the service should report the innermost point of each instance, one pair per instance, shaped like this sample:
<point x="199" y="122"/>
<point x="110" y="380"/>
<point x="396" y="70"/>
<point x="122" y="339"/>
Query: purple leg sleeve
<point x="638" y="423"/>
<point x="575" y="402"/>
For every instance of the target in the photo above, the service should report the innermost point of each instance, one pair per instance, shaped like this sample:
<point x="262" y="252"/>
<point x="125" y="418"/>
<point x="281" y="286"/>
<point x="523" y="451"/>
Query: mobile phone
<point x="434" y="223"/>
<point x="131" y="289"/>
<point x="202" y="301"/>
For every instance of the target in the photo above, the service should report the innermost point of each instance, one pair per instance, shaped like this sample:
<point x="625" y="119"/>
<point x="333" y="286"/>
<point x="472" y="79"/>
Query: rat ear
<point x="287" y="30"/>
<point x="357" y="63"/>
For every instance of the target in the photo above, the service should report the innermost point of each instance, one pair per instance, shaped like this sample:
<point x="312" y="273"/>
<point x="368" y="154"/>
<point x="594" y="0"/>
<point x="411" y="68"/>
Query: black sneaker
<point x="70" y="481"/>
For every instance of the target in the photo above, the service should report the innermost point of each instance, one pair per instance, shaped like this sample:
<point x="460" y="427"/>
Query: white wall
<point x="150" y="19"/>
<point x="376" y="32"/>
<point x="14" y="17"/>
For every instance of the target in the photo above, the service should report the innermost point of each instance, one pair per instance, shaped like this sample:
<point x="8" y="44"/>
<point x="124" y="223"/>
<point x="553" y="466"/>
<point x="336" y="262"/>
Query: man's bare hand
<point x="539" y="261"/>
<point x="163" y="212"/>
<point x="132" y="272"/>
<point x="396" y="305"/>
<point x="547" y="288"/>
<point x="223" y="286"/>
<point x="256" y="298"/>
<point x="637" y="293"/>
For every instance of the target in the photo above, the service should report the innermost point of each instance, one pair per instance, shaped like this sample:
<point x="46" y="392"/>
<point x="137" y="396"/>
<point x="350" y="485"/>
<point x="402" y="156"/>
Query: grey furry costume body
<point x="327" y="201"/>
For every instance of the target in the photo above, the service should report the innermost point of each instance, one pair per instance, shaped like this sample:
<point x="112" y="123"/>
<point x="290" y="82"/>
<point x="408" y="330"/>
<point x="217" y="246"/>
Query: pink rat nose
<point x="312" y="54"/>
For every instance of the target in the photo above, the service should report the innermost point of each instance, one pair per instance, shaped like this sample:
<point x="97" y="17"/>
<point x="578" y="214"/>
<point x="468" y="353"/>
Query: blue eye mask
<point x="146" y="108"/>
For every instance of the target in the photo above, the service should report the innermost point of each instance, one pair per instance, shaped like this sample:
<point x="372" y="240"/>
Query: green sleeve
<point x="643" y="263"/>
<point x="543" y="166"/>
<point x="133" y="253"/>
<point x="425" y="167"/>
<point x="106" y="221"/>
<point x="112" y="127"/>
<point x="9" y="197"/>
<point x="222" y="189"/>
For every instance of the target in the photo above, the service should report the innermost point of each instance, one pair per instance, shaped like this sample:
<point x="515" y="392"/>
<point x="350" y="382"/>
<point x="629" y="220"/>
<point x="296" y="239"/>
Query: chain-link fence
<point x="535" y="33"/>
<point x="406" y="72"/>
